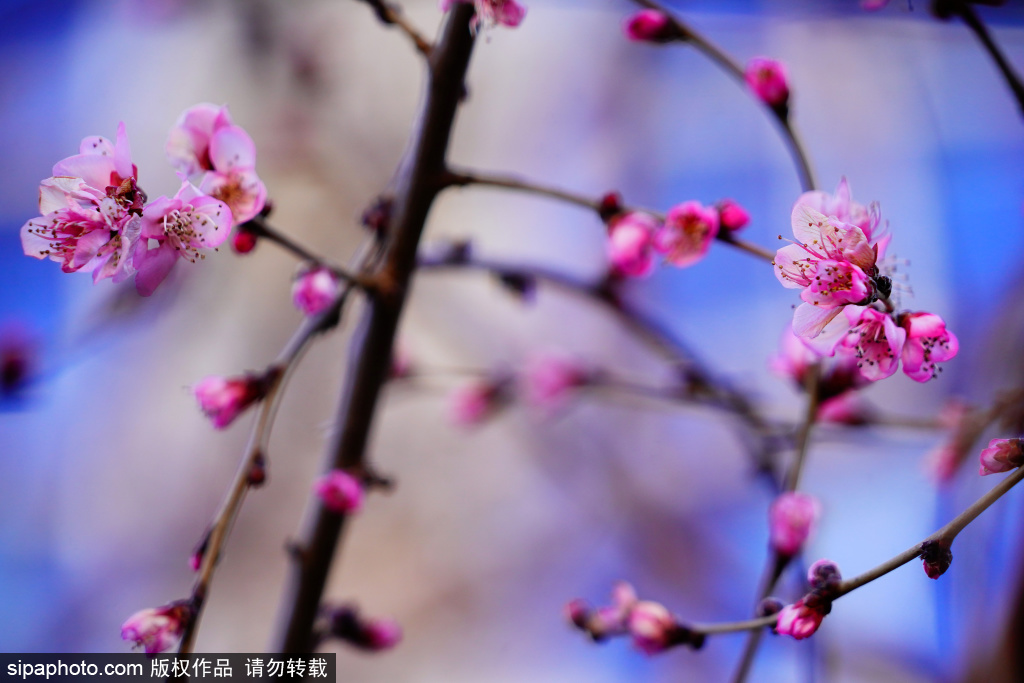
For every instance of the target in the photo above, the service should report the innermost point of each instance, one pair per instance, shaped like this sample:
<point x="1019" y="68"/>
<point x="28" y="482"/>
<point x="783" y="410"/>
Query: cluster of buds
<point x="346" y="624"/>
<point x="635" y="238"/>
<point x="801" y="619"/>
<point x="95" y="218"/>
<point x="834" y="261"/>
<point x="651" y="626"/>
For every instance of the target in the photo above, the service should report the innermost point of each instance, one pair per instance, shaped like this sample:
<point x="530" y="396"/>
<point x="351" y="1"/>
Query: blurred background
<point x="109" y="473"/>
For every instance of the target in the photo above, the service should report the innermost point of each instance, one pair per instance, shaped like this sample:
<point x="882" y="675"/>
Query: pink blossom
<point x="89" y="211"/>
<point x="767" y="78"/>
<point x="1002" y="455"/>
<point x="794" y="358"/>
<point x="207" y="147"/>
<point x="842" y="207"/>
<point x="315" y="290"/>
<point x="792" y="518"/>
<point x="223" y="399"/>
<point x="798" y="620"/>
<point x="550" y="379"/>
<point x="382" y="634"/>
<point x="157" y="628"/>
<point x="612" y="620"/>
<point x="649" y="25"/>
<point x="928" y="342"/>
<point x="490" y="13"/>
<point x="473" y="403"/>
<point x="732" y="216"/>
<point x="687" y="233"/>
<point x="182" y="226"/>
<point x="339" y="491"/>
<point x="875" y="340"/>
<point x="631" y="244"/>
<point x="652" y="627"/>
<point x="940" y="464"/>
<point x="830" y="262"/>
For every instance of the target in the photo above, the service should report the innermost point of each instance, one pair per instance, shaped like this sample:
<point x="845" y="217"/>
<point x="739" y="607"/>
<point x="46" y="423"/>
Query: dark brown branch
<point x="261" y="228"/>
<point x="417" y="185"/>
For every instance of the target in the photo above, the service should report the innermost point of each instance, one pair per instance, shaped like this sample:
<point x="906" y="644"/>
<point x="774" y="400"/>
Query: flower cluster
<point x="635" y="239"/>
<point x="651" y="626"/>
<point x="95" y="218"/>
<point x="835" y="263"/>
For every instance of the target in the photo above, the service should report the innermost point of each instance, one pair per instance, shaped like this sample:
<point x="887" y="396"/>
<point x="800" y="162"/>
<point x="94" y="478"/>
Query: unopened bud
<point x="936" y="558"/>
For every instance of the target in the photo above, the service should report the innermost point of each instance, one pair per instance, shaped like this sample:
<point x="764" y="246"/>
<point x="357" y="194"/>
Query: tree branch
<point x="417" y="184"/>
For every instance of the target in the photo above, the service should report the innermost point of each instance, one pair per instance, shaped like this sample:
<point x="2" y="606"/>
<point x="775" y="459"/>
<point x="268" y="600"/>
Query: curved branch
<point x="780" y="114"/>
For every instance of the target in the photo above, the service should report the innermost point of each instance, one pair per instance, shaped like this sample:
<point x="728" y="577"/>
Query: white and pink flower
<point x="652" y="627"/>
<point x="928" y="342"/>
<point x="687" y="234"/>
<point x="875" y="341"/>
<point x="89" y="210"/>
<point x="182" y="226"/>
<point x="205" y="146"/>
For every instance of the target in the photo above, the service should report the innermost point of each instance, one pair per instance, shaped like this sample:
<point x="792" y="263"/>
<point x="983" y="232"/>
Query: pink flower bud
<point x="243" y="241"/>
<point x="339" y="491"/>
<point x="549" y="381"/>
<point x="631" y="244"/>
<point x="732" y="216"/>
<point x="798" y="620"/>
<point x="223" y="399"/>
<point x="767" y="78"/>
<point x="652" y="627"/>
<point x="1002" y="455"/>
<point x="157" y="628"/>
<point x="473" y="403"/>
<point x="792" y="518"/>
<point x="315" y="290"/>
<point x="936" y="557"/>
<point x="649" y="25"/>
<point x="381" y="634"/>
<point x="847" y="409"/>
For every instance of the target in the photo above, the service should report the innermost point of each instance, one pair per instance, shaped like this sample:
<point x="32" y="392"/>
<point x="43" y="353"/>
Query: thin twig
<point x="261" y="228"/>
<point x="781" y="114"/>
<point x="977" y="26"/>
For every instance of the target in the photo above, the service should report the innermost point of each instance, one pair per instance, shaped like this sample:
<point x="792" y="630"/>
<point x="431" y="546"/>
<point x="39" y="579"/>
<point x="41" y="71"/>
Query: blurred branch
<point x="391" y="14"/>
<point x="256" y="450"/>
<point x="701" y="381"/>
<point x="781" y="114"/>
<point x="416" y="187"/>
<point x="947" y="8"/>
<point x="463" y="178"/>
